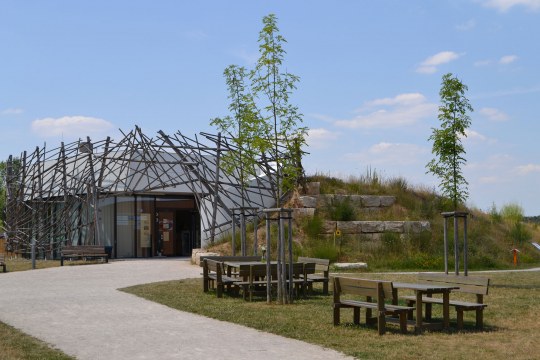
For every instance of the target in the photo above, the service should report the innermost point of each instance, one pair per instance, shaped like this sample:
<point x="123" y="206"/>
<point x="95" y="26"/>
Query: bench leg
<point x="381" y="323"/>
<point x="4" y="267"/>
<point x="356" y="316"/>
<point x="61" y="261"/>
<point x="325" y="287"/>
<point x="403" y="321"/>
<point x="459" y="318"/>
<point x="410" y="303"/>
<point x="480" y="318"/>
<point x="219" y="290"/>
<point x="336" y="314"/>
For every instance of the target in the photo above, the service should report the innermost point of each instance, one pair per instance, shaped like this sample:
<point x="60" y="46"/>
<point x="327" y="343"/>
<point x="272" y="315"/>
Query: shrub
<point x="341" y="210"/>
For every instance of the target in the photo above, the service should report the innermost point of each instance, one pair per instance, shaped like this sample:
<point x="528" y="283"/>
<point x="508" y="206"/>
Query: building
<point x="138" y="197"/>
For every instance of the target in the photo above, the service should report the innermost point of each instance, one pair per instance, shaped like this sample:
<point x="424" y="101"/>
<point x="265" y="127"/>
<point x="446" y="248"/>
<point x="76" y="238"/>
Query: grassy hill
<point x="491" y="236"/>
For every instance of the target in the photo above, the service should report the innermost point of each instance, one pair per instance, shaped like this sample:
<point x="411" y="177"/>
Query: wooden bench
<point x="321" y="271"/>
<point x="214" y="273"/>
<point x="376" y="293"/>
<point x="252" y="279"/>
<point x="3" y="262"/>
<point x="467" y="284"/>
<point x="83" y="252"/>
<point x="231" y="258"/>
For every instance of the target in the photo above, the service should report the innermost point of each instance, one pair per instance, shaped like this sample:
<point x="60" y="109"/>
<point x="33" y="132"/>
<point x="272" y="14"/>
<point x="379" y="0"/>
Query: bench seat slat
<point x="433" y="300"/>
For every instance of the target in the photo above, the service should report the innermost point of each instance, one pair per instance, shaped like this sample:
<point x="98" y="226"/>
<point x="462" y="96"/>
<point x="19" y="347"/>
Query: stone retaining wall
<point x="371" y="227"/>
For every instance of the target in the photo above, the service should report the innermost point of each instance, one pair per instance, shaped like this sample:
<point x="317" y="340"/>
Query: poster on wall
<point x="145" y="233"/>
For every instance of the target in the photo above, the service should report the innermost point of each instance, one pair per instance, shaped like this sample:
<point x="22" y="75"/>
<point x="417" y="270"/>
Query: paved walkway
<point x="79" y="310"/>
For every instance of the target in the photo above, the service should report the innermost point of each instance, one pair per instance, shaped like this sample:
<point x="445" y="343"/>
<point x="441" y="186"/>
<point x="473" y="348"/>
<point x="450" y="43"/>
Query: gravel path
<point x="79" y="310"/>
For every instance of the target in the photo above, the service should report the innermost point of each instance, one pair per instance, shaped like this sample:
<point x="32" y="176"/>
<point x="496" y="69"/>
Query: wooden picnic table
<point x="427" y="289"/>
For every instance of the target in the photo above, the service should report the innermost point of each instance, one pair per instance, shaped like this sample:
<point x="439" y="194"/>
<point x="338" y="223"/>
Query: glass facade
<point x="147" y="226"/>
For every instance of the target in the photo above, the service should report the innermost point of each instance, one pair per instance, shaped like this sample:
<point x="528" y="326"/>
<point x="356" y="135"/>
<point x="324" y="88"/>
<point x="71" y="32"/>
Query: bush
<point x="341" y="210"/>
<point x="324" y="250"/>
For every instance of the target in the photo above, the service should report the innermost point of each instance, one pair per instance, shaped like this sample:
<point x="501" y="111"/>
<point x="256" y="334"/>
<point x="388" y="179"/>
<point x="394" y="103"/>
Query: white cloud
<point x="78" y="126"/>
<point x="527" y="169"/>
<point x="395" y="154"/>
<point x="493" y="114"/>
<point x="402" y="110"/>
<point x="12" y="111"/>
<point x="247" y="57"/>
<point x="483" y="62"/>
<point x="507" y="59"/>
<point x="473" y="135"/>
<point x="505" y="5"/>
<point x="466" y="26"/>
<point x="429" y="65"/>
<point x="401" y="99"/>
<point x="320" y="138"/>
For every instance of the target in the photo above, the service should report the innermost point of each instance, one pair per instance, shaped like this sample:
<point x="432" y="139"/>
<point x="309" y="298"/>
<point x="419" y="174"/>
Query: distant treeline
<point x="533" y="219"/>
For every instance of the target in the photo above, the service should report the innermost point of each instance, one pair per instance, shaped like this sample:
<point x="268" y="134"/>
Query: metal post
<point x="465" y="247"/>
<point x="268" y="272"/>
<point x="291" y="288"/>
<point x="243" y="232"/>
<point x="446" y="245"/>
<point x="233" y="234"/>
<point x="456" y="245"/>
<point x="255" y="237"/>
<point x="33" y="252"/>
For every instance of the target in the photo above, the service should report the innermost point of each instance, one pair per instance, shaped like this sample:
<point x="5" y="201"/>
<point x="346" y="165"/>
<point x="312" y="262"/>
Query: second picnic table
<point x="427" y="289"/>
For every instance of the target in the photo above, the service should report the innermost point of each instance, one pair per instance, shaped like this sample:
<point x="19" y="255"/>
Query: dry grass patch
<point x="511" y="323"/>
<point x="16" y="345"/>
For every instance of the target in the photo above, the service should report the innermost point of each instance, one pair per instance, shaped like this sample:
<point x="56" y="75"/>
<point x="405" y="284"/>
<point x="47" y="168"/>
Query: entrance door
<point x="166" y="234"/>
<point x="185" y="232"/>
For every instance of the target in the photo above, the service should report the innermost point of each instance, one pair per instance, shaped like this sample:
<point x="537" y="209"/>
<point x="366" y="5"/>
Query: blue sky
<point x="370" y="76"/>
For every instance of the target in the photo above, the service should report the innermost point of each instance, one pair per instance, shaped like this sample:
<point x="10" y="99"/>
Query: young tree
<point x="447" y="145"/>
<point x="242" y="127"/>
<point x="283" y="135"/>
<point x="264" y="124"/>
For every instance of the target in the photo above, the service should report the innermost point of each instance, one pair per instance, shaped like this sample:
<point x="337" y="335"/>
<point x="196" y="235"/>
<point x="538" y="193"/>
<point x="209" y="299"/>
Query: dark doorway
<point x="185" y="232"/>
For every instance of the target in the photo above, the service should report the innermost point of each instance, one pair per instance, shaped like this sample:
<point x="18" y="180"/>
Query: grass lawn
<point x="17" y="345"/>
<point x="511" y="321"/>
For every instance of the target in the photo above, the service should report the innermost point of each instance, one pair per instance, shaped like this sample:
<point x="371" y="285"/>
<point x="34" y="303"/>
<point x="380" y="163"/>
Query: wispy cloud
<point x="249" y="58"/>
<point x="505" y="5"/>
<point x="466" y="26"/>
<point x="507" y="59"/>
<point x="12" y="111"/>
<point x="79" y="126"/>
<point x="430" y="65"/>
<point x="475" y="136"/>
<point x="493" y="114"/>
<point x="527" y="169"/>
<point x="321" y="138"/>
<point x="510" y="92"/>
<point x="386" y="153"/>
<point x="485" y="62"/>
<point x="401" y="110"/>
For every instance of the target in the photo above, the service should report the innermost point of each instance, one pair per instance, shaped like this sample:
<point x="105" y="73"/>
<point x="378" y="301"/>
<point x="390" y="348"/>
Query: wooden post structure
<point x="456" y="215"/>
<point x="284" y="294"/>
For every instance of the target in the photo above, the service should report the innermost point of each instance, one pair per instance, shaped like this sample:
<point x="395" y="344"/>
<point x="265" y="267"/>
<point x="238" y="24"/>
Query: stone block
<point x="346" y="266"/>
<point x="348" y="227"/>
<point x="368" y="227"/>
<point x="308" y="201"/>
<point x="417" y="227"/>
<point x="387" y="201"/>
<point x="394" y="226"/>
<point x="371" y="201"/>
<point x="198" y="255"/>
<point x="328" y="227"/>
<point x="303" y="212"/>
